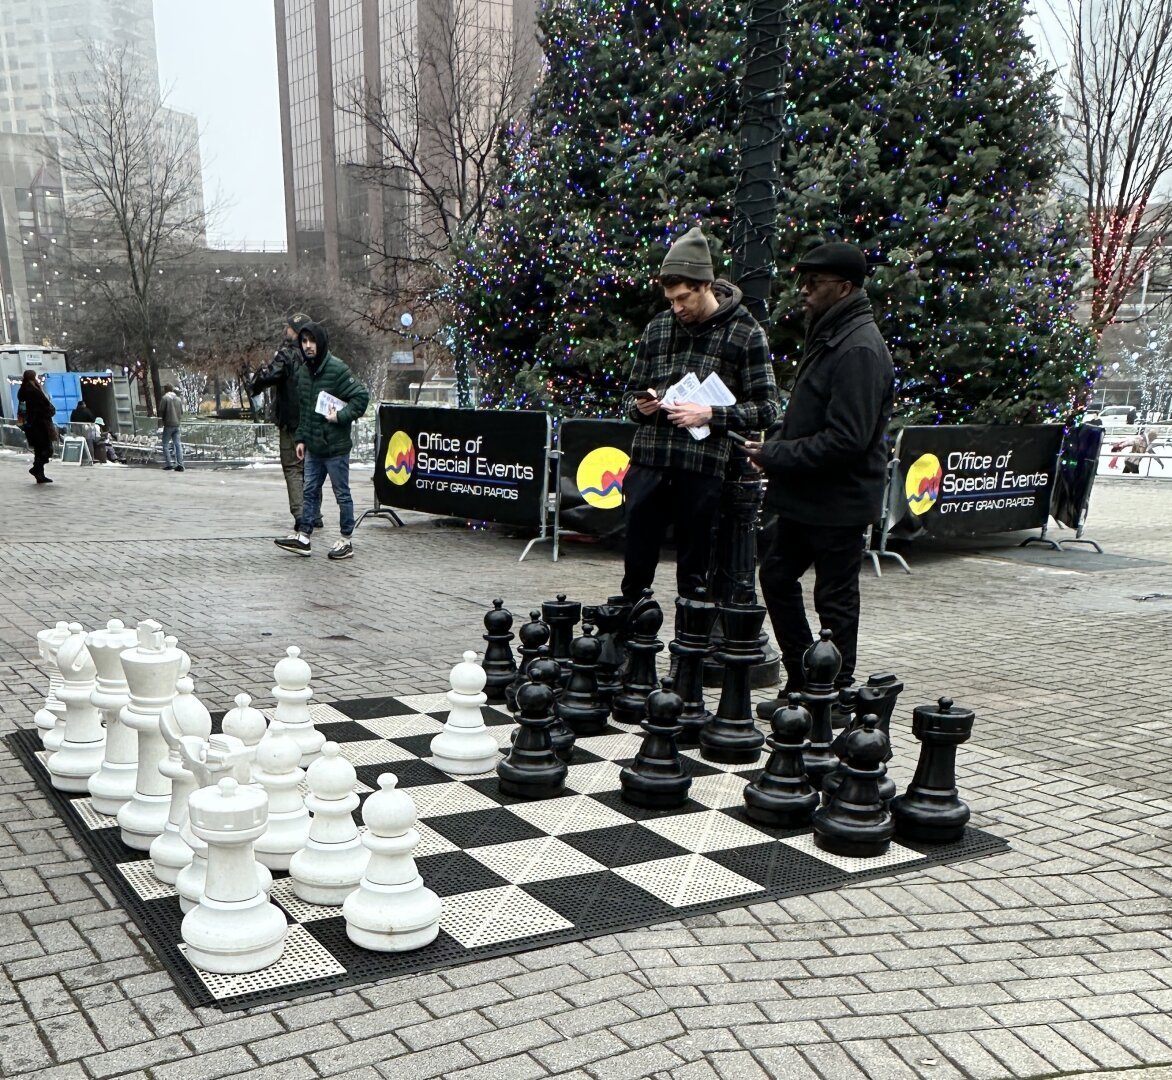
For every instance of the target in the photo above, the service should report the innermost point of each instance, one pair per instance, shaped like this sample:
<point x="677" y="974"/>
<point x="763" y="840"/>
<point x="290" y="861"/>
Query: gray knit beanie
<point x="689" y="258"/>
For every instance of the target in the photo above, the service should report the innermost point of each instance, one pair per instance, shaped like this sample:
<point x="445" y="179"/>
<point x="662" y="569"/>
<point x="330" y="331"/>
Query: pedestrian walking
<point x="330" y="400"/>
<point x="171" y="413"/>
<point x="39" y="430"/>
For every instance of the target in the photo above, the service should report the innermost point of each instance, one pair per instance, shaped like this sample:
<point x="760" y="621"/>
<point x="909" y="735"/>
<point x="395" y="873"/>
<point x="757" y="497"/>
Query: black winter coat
<point x="280" y="373"/>
<point x="39" y="411"/>
<point x="827" y="461"/>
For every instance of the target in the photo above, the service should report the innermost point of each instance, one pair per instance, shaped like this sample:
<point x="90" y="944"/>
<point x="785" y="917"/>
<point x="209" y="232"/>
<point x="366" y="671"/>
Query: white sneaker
<point x="342" y="549"/>
<point x="296" y="543"/>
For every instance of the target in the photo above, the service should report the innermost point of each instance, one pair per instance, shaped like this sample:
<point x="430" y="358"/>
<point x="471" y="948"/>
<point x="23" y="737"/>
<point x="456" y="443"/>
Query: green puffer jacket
<point x="321" y="437"/>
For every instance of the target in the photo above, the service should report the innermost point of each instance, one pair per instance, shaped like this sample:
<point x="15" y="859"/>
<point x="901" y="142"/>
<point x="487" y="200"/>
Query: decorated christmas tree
<point x="630" y="140"/>
<point x="927" y="135"/>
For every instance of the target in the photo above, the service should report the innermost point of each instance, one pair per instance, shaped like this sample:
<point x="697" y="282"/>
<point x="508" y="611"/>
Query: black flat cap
<point x="843" y="260"/>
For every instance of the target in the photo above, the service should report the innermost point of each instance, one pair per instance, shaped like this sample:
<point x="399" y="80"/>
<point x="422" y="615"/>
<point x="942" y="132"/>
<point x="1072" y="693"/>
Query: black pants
<point x="655" y="498"/>
<point x="835" y="552"/>
<point x="42" y="454"/>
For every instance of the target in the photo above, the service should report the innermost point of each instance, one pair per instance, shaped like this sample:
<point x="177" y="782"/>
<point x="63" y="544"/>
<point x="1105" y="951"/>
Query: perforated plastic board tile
<point x="615" y="866"/>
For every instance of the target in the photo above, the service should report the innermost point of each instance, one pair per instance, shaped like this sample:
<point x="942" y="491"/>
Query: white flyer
<point x="712" y="391"/>
<point x="326" y="402"/>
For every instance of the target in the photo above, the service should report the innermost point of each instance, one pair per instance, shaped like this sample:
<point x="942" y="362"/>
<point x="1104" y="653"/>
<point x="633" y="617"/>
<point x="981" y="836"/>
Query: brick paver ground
<point x="1052" y="959"/>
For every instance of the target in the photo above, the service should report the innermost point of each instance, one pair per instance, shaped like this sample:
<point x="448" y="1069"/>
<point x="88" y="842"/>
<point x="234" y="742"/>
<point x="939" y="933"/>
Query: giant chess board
<point x="513" y="875"/>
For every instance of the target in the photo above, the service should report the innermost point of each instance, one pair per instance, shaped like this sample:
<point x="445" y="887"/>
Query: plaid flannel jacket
<point x="731" y="343"/>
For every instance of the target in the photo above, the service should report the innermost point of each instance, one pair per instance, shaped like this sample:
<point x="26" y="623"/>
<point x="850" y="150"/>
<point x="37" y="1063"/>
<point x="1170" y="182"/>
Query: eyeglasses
<point x="816" y="281"/>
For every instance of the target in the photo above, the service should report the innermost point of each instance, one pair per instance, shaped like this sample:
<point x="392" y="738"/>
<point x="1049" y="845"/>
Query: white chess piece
<point x="170" y="853"/>
<point x="50" y="718"/>
<point x="332" y="863"/>
<point x="234" y="929"/>
<point x="391" y="910"/>
<point x="276" y="770"/>
<point x="209" y="761"/>
<point x="151" y="668"/>
<point x="113" y="783"/>
<point x="293" y="693"/>
<point x="249" y="726"/>
<point x="83" y="741"/>
<point x="465" y="745"/>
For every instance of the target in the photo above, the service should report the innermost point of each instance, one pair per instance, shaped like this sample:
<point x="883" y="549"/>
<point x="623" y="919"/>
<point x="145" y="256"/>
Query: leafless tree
<point x="132" y="170"/>
<point x="432" y="124"/>
<point x="1118" y="116"/>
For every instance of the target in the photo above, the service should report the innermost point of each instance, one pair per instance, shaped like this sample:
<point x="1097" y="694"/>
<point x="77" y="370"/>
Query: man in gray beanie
<point x="675" y="479"/>
<point x="826" y="462"/>
<point x="280" y="376"/>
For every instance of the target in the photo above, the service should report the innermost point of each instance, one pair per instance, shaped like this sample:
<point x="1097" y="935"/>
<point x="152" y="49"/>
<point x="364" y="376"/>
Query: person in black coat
<point x="39" y="429"/>
<point x="827" y="461"/>
<point x="82" y="414"/>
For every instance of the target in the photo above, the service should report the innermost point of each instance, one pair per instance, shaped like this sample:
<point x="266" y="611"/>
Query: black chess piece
<point x="821" y="663"/>
<point x="579" y="705"/>
<point x="931" y="809"/>
<point x="657" y="777"/>
<point x="844" y="706"/>
<point x="730" y="736"/>
<point x="545" y="670"/>
<point x="782" y="796"/>
<point x="855" y="823"/>
<point x="611" y="620"/>
<point x="532" y="770"/>
<point x="561" y="616"/>
<point x="534" y="635"/>
<point x="695" y="617"/>
<point x="500" y="669"/>
<point x="640" y="678"/>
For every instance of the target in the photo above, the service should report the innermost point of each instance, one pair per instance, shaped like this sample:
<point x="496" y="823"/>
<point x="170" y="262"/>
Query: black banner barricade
<point x="594" y="457"/>
<point x="1078" y="462"/>
<point x="969" y="479"/>
<point x="484" y="465"/>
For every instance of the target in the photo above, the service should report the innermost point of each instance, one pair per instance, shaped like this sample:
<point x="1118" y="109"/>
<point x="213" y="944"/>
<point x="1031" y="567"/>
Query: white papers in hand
<point x="712" y="391"/>
<point x="326" y="402"/>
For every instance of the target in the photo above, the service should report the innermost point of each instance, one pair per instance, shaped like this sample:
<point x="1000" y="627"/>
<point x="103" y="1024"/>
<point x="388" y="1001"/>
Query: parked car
<point x="1113" y="417"/>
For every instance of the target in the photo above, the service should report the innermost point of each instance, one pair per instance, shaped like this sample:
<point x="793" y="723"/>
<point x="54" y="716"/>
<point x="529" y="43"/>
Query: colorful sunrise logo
<point x="400" y="459"/>
<point x="922" y="486"/>
<point x="600" y="477"/>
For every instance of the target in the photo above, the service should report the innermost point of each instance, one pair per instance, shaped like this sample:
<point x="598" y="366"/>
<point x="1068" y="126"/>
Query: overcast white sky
<point x="218" y="60"/>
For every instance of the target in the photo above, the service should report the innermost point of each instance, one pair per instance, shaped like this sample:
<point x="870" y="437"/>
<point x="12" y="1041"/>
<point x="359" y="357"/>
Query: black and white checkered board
<point x="513" y="875"/>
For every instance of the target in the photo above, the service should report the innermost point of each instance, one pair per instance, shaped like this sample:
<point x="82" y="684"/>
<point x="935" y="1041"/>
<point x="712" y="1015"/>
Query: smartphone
<point x="737" y="437"/>
<point x="645" y="395"/>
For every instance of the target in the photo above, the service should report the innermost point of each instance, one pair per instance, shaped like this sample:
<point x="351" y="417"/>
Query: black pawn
<point x="532" y="770"/>
<point x="849" y="704"/>
<point x="545" y="670"/>
<point x="534" y="635"/>
<point x="611" y="620"/>
<point x="855" y="823"/>
<point x="695" y="617"/>
<point x="500" y="669"/>
<point x="561" y="616"/>
<point x="931" y="809"/>
<point x="730" y="736"/>
<point x="782" y="796"/>
<point x="657" y="777"/>
<point x="821" y="663"/>
<point x="642" y="646"/>
<point x="579" y="706"/>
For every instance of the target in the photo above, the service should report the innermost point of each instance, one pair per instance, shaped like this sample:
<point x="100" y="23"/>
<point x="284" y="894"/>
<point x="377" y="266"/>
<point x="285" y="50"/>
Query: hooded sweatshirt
<point x="731" y="343"/>
<point x="321" y="437"/>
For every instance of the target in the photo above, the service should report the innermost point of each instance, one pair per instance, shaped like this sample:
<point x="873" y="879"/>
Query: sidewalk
<point x="1053" y="959"/>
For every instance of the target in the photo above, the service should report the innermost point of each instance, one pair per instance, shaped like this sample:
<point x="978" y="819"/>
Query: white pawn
<point x="83" y="741"/>
<point x="113" y="784"/>
<point x="249" y="726"/>
<point x="465" y="745"/>
<point x="293" y="693"/>
<point x="276" y="770"/>
<point x="170" y="853"/>
<point x="332" y="863"/>
<point x="50" y="718"/>
<point x="151" y="668"/>
<point x="391" y="910"/>
<point x="235" y="929"/>
<point x="209" y="761"/>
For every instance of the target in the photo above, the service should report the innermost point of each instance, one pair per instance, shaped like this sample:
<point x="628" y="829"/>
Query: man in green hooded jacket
<point x="330" y="400"/>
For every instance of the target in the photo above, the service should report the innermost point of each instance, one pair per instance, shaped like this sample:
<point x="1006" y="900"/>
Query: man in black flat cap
<point x="827" y="461"/>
